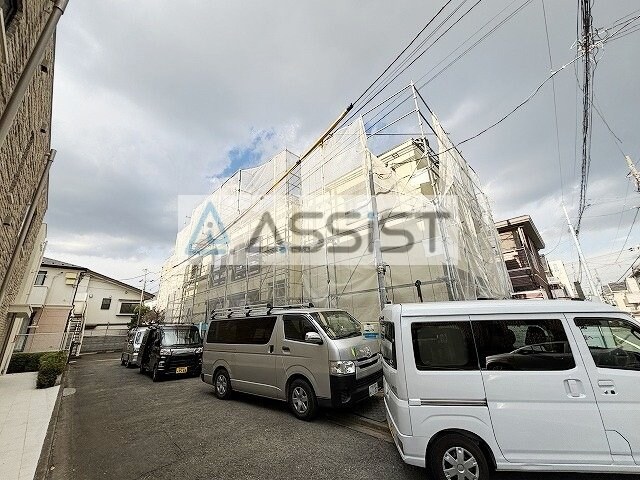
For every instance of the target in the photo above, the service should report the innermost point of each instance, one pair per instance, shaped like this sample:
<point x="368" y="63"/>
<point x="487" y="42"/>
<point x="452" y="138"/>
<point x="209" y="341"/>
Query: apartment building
<point x="437" y="239"/>
<point x="26" y="89"/>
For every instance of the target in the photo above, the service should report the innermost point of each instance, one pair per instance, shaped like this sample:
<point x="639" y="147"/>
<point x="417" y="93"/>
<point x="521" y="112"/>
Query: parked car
<point x="129" y="356"/>
<point x="171" y="349"/>
<point x="512" y="385"/>
<point x="309" y="357"/>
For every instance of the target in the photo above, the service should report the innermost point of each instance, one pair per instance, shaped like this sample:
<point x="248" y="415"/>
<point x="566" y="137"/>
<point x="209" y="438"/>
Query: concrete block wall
<point x="22" y="154"/>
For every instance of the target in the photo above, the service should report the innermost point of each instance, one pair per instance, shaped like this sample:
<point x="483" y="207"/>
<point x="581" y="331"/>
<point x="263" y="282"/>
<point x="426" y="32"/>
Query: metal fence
<point x="42" y="342"/>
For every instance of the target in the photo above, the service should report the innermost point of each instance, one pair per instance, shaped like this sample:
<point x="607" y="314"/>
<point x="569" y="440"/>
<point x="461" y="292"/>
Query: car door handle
<point x="286" y="349"/>
<point x="574" y="388"/>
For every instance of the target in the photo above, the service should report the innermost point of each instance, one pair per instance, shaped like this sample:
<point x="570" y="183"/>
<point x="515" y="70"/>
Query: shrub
<point x="25" y="362"/>
<point x="51" y="365"/>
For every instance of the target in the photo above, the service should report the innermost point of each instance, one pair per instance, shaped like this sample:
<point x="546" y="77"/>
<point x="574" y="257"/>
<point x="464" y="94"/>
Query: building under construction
<point x="343" y="226"/>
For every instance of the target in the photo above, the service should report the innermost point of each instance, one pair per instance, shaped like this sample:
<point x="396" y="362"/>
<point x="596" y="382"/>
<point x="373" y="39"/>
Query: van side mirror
<point x="313" y="337"/>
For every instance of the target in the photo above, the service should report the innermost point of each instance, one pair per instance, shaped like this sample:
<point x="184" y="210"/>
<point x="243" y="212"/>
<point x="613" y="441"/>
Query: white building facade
<point x="69" y="303"/>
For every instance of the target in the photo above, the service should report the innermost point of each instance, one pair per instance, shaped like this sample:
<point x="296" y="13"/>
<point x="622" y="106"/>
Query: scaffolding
<point x="347" y="228"/>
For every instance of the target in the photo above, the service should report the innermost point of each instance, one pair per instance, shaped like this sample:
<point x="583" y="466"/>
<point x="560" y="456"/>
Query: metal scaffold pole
<point x="451" y="277"/>
<point x="375" y="235"/>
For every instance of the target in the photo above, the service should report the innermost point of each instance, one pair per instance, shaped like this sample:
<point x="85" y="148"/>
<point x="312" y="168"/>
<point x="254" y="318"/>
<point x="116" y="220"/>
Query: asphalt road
<point x="120" y="425"/>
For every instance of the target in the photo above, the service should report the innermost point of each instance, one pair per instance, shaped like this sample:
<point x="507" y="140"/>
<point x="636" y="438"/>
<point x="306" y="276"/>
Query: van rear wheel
<point x="222" y="384"/>
<point x="456" y="457"/>
<point x="302" y="400"/>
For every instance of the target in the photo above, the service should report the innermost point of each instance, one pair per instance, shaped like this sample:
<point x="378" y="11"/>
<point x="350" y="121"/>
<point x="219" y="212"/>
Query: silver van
<point x="129" y="356"/>
<point x="308" y="357"/>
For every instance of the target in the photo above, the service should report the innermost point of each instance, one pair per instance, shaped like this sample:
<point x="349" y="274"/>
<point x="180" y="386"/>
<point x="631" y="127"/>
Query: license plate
<point x="373" y="389"/>
<point x="184" y="370"/>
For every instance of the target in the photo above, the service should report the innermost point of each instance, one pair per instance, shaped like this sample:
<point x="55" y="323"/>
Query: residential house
<point x="521" y="243"/>
<point x="624" y="294"/>
<point x="71" y="303"/>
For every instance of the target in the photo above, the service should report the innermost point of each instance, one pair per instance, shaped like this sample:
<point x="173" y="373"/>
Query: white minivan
<point x="512" y="385"/>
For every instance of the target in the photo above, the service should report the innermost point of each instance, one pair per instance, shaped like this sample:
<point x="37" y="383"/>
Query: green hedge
<point x="25" y="362"/>
<point x="51" y="365"/>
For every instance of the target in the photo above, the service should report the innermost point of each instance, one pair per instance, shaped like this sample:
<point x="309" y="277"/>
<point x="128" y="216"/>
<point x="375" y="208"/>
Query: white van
<point x="309" y="357"/>
<point x="512" y="385"/>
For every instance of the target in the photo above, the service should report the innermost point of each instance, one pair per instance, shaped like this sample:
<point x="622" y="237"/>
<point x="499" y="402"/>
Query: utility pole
<point x="633" y="172"/>
<point x="592" y="285"/>
<point x="144" y="285"/>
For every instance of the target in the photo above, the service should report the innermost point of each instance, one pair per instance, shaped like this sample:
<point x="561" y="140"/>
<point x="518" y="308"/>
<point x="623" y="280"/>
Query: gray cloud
<point x="150" y="98"/>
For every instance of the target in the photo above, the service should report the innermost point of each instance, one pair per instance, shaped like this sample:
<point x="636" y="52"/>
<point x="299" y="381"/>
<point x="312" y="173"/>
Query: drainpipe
<point x="10" y="111"/>
<point x="26" y="224"/>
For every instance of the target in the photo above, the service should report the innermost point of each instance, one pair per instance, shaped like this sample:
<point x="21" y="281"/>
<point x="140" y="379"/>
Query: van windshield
<point x="181" y="336"/>
<point x="338" y="324"/>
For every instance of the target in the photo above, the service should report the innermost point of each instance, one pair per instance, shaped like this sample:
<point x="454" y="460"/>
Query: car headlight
<point x="199" y="350"/>
<point x="165" y="351"/>
<point x="342" y="367"/>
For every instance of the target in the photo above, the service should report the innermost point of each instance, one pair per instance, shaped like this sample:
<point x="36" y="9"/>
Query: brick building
<point x="24" y="151"/>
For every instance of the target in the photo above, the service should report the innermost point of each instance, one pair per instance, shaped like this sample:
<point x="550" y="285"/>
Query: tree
<point x="147" y="315"/>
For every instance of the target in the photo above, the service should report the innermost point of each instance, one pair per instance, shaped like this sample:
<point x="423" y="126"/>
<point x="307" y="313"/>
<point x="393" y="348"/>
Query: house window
<point x="41" y="277"/>
<point x="9" y="8"/>
<point x="106" y="304"/>
<point x="127" y="308"/>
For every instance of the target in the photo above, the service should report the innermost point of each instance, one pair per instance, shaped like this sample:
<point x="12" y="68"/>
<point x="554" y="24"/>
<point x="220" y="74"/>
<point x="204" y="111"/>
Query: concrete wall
<point x="22" y="154"/>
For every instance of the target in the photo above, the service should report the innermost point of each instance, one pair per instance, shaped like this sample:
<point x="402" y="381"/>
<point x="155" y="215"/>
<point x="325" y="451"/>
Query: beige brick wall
<point x="22" y="154"/>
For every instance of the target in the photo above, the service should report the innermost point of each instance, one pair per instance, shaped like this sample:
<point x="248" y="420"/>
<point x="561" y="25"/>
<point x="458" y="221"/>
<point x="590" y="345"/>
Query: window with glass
<point x="613" y="343"/>
<point x="531" y="345"/>
<point x="187" y="336"/>
<point x="106" y="304"/>
<point x="41" y="277"/>
<point x="128" y="308"/>
<point x="443" y="346"/>
<point x="296" y="327"/>
<point x="338" y="324"/>
<point x="388" y="343"/>
<point x="250" y="331"/>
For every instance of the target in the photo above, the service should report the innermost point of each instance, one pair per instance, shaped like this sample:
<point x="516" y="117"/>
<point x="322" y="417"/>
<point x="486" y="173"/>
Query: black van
<point x="171" y="350"/>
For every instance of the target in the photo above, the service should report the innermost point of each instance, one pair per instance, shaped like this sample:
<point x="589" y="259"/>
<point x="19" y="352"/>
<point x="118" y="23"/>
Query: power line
<point x="516" y="108"/>
<point x="587" y="79"/>
<point x="630" y="268"/>
<point x="404" y="65"/>
<point x="628" y="233"/>
<point x="402" y="52"/>
<point x="555" y="103"/>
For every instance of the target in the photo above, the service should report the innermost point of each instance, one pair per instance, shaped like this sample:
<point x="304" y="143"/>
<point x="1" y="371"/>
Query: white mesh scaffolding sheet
<point x="232" y="253"/>
<point x="435" y="228"/>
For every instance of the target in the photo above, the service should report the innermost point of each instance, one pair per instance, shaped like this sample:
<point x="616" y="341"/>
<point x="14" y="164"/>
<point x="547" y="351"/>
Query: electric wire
<point x="555" y="103"/>
<point x="635" y="217"/>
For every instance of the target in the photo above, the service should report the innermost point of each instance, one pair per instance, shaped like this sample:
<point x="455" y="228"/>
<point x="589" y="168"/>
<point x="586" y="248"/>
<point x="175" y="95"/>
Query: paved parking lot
<point x="118" y="424"/>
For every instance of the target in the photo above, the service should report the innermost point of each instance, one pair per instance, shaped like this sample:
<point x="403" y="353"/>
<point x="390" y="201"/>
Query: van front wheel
<point x="222" y="384"/>
<point x="455" y="457"/>
<point x="302" y="400"/>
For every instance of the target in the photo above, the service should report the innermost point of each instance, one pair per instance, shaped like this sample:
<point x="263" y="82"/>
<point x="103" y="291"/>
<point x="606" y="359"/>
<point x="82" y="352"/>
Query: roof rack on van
<point x="257" y="308"/>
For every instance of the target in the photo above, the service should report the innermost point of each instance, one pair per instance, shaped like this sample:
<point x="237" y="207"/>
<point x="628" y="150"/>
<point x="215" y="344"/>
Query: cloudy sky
<point x="156" y="99"/>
